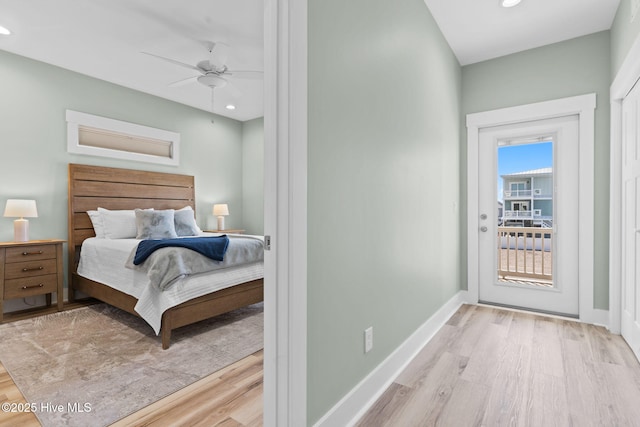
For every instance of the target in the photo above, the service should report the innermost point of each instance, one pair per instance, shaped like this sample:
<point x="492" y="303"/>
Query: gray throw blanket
<point x="166" y="265"/>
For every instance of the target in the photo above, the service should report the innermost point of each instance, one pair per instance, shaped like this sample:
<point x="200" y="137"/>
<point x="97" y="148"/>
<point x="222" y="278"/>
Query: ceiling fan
<point x="213" y="71"/>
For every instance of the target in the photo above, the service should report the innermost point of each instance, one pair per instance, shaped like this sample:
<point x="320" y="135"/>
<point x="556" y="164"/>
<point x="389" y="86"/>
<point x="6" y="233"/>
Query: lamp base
<point x="220" y="222"/>
<point x="21" y="230"/>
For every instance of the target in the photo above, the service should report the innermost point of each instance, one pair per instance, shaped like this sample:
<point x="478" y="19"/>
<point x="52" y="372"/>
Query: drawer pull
<point x="41" y="285"/>
<point x="32" y="253"/>
<point x="33" y="269"/>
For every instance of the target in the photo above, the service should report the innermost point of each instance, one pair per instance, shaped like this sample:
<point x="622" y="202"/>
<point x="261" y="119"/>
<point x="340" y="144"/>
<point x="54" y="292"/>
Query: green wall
<point x="252" y="176"/>
<point x="573" y="67"/>
<point x="33" y="139"/>
<point x="383" y="185"/>
<point x="623" y="34"/>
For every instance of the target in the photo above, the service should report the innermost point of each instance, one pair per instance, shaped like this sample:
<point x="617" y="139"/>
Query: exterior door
<point x="528" y="264"/>
<point x="518" y="188"/>
<point x="630" y="297"/>
<point x="520" y="206"/>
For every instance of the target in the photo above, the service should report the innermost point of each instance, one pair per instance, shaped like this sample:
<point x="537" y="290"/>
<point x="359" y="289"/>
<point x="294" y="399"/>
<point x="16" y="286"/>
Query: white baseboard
<point x="599" y="317"/>
<point x="354" y="405"/>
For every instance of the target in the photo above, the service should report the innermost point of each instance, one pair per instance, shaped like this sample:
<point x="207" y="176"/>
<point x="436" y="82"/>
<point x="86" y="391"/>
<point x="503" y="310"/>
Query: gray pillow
<point x="185" y="223"/>
<point x="155" y="224"/>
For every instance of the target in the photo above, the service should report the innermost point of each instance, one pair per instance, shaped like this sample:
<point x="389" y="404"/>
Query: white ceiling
<point x="105" y="38"/>
<point x="478" y="30"/>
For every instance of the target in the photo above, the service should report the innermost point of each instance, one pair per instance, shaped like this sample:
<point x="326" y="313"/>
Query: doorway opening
<point x="522" y="263"/>
<point x="573" y="221"/>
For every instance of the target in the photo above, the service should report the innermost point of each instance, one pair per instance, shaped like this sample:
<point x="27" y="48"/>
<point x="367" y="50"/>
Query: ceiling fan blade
<point x="183" y="82"/>
<point x="219" y="53"/>
<point x="173" y="61"/>
<point x="245" y="74"/>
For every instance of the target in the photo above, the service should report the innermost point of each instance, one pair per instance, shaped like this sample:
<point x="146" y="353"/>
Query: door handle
<point x="483" y="229"/>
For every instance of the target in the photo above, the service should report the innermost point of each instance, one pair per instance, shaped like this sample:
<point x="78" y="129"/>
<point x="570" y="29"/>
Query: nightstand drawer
<point x="30" y="253"/>
<point x="19" y="270"/>
<point x="29" y="286"/>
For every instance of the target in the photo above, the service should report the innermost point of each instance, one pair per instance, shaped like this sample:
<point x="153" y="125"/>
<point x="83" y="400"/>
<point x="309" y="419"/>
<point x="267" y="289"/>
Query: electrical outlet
<point x="368" y="339"/>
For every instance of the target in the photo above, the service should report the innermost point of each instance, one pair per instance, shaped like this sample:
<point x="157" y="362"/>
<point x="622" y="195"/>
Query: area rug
<point x="94" y="365"/>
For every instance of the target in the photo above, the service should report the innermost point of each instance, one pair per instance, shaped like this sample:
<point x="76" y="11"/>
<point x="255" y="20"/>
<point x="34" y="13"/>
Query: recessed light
<point x="230" y="107"/>
<point x="509" y="3"/>
<point x="4" y="31"/>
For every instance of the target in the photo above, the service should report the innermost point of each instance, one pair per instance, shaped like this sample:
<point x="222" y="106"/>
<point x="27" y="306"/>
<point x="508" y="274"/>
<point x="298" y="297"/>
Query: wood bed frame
<point x="91" y="187"/>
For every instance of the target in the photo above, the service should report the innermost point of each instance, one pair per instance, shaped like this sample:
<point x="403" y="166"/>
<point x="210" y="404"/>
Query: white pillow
<point x="186" y="224"/>
<point x="119" y="224"/>
<point x="96" y="220"/>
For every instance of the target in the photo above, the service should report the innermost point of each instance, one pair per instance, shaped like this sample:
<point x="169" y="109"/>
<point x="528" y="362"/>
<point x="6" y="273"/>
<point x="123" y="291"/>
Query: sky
<point x="523" y="157"/>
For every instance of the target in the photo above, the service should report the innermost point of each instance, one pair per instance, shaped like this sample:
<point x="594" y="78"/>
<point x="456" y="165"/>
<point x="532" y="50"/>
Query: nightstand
<point x="29" y="269"/>
<point x="230" y="231"/>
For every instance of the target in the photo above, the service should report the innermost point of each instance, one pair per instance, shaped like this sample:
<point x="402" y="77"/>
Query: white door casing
<point x="625" y="80"/>
<point x="563" y="297"/>
<point x="630" y="260"/>
<point x="584" y="107"/>
<point x="285" y="187"/>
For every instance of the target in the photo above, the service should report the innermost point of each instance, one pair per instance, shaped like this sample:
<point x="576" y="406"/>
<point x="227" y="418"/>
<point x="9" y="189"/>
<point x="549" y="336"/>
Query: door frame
<point x="561" y="136"/>
<point x="624" y="81"/>
<point x="285" y="210"/>
<point x="583" y="106"/>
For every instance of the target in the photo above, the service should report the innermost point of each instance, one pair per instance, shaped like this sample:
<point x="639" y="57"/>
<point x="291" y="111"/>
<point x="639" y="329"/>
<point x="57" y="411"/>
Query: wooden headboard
<point x="91" y="187"/>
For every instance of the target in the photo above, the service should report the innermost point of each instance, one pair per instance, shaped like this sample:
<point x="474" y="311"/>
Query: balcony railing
<point x="536" y="213"/>
<point x="525" y="252"/>
<point x="517" y="193"/>
<point x="523" y="194"/>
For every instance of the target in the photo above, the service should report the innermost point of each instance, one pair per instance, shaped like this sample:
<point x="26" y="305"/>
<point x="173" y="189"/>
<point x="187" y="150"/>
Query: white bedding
<point x="103" y="260"/>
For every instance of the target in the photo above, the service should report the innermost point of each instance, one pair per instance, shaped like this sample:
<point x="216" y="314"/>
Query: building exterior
<point x="528" y="198"/>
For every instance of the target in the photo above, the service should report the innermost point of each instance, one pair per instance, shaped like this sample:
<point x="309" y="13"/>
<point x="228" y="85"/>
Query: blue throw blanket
<point x="211" y="247"/>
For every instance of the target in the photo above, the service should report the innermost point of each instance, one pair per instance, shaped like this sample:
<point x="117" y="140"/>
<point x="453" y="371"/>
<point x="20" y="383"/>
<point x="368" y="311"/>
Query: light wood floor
<point x="492" y="367"/>
<point x="229" y="397"/>
<point x="486" y="366"/>
<point x="9" y="393"/>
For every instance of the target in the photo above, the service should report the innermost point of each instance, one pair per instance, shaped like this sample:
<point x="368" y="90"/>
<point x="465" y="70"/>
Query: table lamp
<point x="17" y="208"/>
<point x="221" y="211"/>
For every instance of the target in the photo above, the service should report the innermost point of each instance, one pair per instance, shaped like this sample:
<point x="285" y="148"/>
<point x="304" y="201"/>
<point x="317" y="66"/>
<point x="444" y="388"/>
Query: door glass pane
<point x="525" y="206"/>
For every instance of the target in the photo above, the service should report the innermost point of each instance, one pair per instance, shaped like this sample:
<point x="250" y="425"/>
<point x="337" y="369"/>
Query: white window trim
<point x="584" y="106"/>
<point x="77" y="119"/>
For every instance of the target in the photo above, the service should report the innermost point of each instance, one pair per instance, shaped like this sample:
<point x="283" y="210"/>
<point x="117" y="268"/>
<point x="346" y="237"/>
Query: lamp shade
<point x="221" y="210"/>
<point x="18" y="208"/>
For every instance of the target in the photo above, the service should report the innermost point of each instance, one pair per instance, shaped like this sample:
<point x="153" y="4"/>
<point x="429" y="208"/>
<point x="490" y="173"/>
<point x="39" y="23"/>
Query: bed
<point x="91" y="187"/>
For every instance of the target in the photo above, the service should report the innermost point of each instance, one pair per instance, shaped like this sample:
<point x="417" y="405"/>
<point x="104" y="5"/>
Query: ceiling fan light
<point x="4" y="31"/>
<point x="509" y="3"/>
<point x="212" y="80"/>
